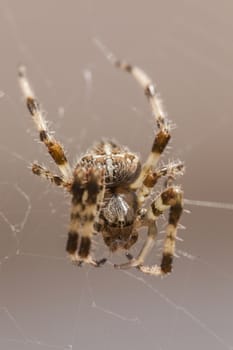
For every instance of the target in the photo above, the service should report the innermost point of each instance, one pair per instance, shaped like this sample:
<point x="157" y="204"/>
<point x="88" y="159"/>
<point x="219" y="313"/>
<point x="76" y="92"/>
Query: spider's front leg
<point x="162" y="136"/>
<point x="87" y="194"/>
<point x="54" y="147"/>
<point x="172" y="198"/>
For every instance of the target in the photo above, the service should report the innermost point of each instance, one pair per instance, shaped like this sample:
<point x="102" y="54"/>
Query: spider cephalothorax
<point x="110" y="188"/>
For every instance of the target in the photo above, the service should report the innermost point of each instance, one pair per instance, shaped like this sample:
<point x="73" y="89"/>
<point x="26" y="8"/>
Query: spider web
<point x="45" y="303"/>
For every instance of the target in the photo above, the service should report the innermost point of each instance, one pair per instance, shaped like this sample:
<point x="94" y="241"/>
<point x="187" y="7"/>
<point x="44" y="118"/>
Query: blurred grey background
<point x="186" y="47"/>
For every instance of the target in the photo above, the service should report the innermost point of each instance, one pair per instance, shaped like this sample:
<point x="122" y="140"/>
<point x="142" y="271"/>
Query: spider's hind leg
<point x="88" y="192"/>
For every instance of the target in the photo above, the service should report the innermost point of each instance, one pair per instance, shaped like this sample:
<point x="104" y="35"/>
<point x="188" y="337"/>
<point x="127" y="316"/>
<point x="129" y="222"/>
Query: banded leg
<point x="169" y="198"/>
<point x="87" y="191"/>
<point x="54" y="148"/>
<point x="169" y="171"/>
<point x="46" y="174"/>
<point x="162" y="137"/>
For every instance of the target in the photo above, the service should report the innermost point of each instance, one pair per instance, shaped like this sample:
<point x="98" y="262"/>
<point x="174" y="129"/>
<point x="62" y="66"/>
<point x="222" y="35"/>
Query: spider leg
<point x="170" y="171"/>
<point x="148" y="245"/>
<point x="87" y="190"/>
<point x="162" y="137"/>
<point x="169" y="198"/>
<point x="46" y="174"/>
<point x="54" y="148"/>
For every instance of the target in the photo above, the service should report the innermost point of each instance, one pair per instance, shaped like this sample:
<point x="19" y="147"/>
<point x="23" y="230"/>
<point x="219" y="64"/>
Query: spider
<point x="109" y="187"/>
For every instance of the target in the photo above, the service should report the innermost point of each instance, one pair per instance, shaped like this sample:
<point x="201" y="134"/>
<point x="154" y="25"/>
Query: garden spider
<point x="109" y="187"/>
